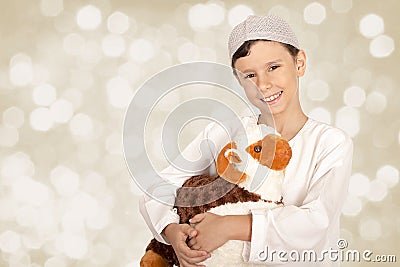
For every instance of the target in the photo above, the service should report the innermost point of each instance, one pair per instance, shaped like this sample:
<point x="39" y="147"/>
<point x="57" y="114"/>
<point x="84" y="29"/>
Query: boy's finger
<point x="192" y="242"/>
<point x="197" y="218"/>
<point x="194" y="260"/>
<point x="191" y="253"/>
<point x="189" y="231"/>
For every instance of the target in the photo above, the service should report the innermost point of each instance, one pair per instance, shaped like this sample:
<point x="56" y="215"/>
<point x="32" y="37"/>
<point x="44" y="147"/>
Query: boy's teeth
<point x="275" y="96"/>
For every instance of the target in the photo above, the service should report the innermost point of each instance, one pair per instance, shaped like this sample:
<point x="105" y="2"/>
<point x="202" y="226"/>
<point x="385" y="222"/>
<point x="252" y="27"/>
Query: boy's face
<point x="269" y="76"/>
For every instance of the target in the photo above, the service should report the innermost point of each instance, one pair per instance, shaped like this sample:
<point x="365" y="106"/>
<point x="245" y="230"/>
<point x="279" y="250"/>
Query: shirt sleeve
<point x="197" y="158"/>
<point x="306" y="226"/>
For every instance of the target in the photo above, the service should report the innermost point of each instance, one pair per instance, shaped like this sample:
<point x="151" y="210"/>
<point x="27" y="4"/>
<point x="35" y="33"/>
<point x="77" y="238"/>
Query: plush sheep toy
<point x="250" y="175"/>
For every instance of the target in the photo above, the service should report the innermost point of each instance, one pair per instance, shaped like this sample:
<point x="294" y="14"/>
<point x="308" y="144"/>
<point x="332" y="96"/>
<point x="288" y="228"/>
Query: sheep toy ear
<point x="225" y="167"/>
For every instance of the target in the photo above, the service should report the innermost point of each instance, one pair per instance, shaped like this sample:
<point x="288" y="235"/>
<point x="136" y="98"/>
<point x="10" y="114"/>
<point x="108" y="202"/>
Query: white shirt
<point x="314" y="190"/>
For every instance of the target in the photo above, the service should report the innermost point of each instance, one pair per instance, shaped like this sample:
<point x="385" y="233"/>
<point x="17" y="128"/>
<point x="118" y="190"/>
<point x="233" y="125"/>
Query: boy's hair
<point x="244" y="50"/>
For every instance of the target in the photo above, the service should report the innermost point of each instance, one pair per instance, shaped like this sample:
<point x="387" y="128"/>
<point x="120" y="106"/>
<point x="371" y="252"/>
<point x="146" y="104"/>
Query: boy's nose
<point x="263" y="83"/>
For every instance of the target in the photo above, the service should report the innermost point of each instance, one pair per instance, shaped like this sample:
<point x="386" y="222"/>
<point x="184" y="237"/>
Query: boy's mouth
<point x="273" y="98"/>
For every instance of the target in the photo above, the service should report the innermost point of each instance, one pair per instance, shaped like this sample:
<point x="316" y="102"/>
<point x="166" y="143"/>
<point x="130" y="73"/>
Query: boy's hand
<point x="176" y="235"/>
<point x="212" y="231"/>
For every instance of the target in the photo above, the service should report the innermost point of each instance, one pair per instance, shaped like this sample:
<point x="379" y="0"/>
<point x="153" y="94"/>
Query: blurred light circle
<point x="389" y="175"/>
<point x="61" y="111"/>
<point x="10" y="241"/>
<point x="354" y="96"/>
<point x="64" y="180"/>
<point x="342" y="6"/>
<point x="8" y="206"/>
<point x="381" y="46"/>
<point x="55" y="261"/>
<point x="280" y="11"/>
<point x="29" y="191"/>
<point x="314" y="13"/>
<point x="238" y="13"/>
<point x="348" y="119"/>
<point x="20" y="58"/>
<point x="21" y="74"/>
<point x="47" y="225"/>
<point x="378" y="191"/>
<point x="13" y="117"/>
<point x="73" y="222"/>
<point x="113" y="45"/>
<point x="93" y="182"/>
<point x="376" y="102"/>
<point x="119" y="92"/>
<point x="168" y="34"/>
<point x="73" y="44"/>
<point x="352" y="206"/>
<point x="141" y="50"/>
<point x="20" y="258"/>
<point x="208" y="54"/>
<point x="101" y="254"/>
<point x="16" y="165"/>
<point x="51" y="8"/>
<point x="371" y="25"/>
<point x="44" y="95"/>
<point x="202" y="16"/>
<point x="114" y="143"/>
<point x="88" y="17"/>
<point x="370" y="229"/>
<point x="359" y="185"/>
<point x="81" y="125"/>
<point x="188" y="52"/>
<point x="118" y="23"/>
<point x="321" y="114"/>
<point x="26" y="216"/>
<point x="97" y="219"/>
<point x="318" y="90"/>
<point x="72" y="245"/>
<point x="82" y="203"/>
<point x="9" y="136"/>
<point x="41" y="119"/>
<point x="125" y="71"/>
<point x="32" y="240"/>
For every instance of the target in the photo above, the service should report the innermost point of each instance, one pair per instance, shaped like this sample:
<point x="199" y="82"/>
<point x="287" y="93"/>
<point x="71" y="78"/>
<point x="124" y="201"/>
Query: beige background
<point x="66" y="197"/>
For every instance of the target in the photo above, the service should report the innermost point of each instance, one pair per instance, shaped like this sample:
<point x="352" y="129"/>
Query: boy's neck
<point x="288" y="125"/>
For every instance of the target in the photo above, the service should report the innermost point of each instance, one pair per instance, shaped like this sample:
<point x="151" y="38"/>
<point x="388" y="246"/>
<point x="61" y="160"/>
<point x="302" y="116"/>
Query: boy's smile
<point x="272" y="99"/>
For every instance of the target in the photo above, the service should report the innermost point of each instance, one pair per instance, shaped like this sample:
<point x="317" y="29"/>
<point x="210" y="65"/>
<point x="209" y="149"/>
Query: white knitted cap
<point x="269" y="27"/>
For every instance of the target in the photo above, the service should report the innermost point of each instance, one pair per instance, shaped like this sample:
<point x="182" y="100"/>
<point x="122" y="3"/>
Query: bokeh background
<point x="68" y="70"/>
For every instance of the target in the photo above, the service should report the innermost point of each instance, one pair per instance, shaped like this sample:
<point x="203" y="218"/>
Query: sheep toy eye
<point x="257" y="149"/>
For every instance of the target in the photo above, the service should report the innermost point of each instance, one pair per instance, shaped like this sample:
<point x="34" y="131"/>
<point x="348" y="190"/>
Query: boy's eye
<point x="251" y="75"/>
<point x="274" y="67"/>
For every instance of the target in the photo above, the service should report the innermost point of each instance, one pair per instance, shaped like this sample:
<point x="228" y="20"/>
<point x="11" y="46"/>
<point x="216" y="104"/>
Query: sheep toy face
<point x="272" y="151"/>
<point x="235" y="161"/>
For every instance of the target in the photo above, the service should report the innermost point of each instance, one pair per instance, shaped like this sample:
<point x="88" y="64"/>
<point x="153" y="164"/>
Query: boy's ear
<point x="301" y="63"/>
